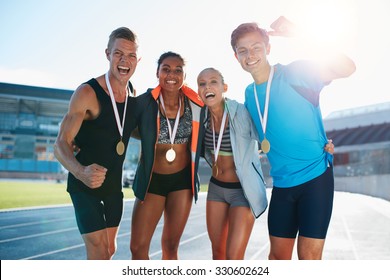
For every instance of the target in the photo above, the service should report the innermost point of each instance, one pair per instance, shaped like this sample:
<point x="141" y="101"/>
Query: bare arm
<point x="335" y="66"/>
<point x="82" y="106"/>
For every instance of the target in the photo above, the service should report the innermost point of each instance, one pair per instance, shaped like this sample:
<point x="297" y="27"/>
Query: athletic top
<point x="294" y="127"/>
<point x="184" y="128"/>
<point x="149" y="128"/>
<point x="243" y="139"/>
<point x="226" y="145"/>
<point x="97" y="140"/>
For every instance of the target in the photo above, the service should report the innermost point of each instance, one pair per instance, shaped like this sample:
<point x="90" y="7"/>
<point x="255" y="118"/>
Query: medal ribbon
<point x="221" y="130"/>
<point x="263" y="120"/>
<point x="172" y="135"/>
<point x="118" y="122"/>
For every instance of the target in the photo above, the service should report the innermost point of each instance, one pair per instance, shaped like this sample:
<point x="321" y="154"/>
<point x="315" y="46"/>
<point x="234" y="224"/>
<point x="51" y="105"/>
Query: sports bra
<point x="226" y="145"/>
<point x="184" y="128"/>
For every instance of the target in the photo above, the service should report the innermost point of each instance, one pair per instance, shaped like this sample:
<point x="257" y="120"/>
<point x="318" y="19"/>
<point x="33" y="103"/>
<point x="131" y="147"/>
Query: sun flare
<point x="330" y="22"/>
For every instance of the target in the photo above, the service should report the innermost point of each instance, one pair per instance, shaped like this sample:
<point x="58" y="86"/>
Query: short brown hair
<point x="121" y="33"/>
<point x="245" y="28"/>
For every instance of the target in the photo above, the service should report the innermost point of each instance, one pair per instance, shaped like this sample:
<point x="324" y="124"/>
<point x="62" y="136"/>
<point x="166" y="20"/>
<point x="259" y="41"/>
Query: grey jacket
<point x="243" y="137"/>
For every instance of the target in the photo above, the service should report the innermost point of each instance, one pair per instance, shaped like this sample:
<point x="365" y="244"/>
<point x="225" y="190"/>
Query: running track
<point x="360" y="229"/>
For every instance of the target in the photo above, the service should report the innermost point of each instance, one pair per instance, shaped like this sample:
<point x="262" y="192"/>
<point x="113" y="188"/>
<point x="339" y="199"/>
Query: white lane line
<point x="54" y="252"/>
<point x="44" y="207"/>
<point x="37" y="235"/>
<point x="195" y="216"/>
<point x="67" y="248"/>
<point x="159" y="252"/>
<point x="81" y="245"/>
<point x="349" y="236"/>
<point x="193" y="238"/>
<point x="36" y="223"/>
<point x="261" y="251"/>
<point x="160" y="224"/>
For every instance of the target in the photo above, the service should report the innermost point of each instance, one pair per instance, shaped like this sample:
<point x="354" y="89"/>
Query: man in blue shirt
<point x="283" y="102"/>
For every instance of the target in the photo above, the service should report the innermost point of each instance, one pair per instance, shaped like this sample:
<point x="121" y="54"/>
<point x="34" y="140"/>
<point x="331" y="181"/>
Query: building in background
<point x="30" y="118"/>
<point x="29" y="123"/>
<point x="362" y="149"/>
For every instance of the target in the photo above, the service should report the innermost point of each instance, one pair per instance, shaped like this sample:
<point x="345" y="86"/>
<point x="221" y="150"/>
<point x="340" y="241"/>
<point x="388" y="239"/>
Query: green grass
<point x="16" y="194"/>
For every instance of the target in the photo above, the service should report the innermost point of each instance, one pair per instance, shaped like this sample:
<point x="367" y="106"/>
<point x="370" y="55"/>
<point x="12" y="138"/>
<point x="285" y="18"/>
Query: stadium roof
<point x="360" y="116"/>
<point x="31" y="99"/>
<point x="359" y="126"/>
<point x="34" y="92"/>
<point x="360" y="135"/>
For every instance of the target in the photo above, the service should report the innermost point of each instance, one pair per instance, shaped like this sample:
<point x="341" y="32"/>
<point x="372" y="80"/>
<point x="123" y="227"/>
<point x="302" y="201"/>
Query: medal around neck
<point x="120" y="148"/>
<point x="170" y="155"/>
<point x="265" y="146"/>
<point x="217" y="148"/>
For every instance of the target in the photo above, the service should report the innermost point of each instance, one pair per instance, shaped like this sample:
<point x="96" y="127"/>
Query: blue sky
<point x="61" y="43"/>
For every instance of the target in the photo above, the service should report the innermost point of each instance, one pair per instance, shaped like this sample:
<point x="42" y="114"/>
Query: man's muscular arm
<point x="82" y="106"/>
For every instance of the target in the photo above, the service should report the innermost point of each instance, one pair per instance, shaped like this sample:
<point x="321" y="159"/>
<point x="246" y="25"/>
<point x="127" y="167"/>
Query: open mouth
<point x="123" y="70"/>
<point x="210" y="95"/>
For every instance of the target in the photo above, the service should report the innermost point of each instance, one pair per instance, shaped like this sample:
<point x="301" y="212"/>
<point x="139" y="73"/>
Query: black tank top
<point x="97" y="141"/>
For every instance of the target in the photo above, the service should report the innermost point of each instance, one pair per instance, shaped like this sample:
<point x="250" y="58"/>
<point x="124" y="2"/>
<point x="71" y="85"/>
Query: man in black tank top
<point x="99" y="121"/>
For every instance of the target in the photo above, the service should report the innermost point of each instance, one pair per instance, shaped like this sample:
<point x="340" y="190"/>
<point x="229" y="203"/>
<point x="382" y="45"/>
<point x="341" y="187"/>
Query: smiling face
<point x="251" y="52"/>
<point x="123" y="59"/>
<point x="211" y="87"/>
<point x="170" y="74"/>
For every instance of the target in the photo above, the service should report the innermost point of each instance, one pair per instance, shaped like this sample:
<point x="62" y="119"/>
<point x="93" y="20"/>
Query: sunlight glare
<point x="331" y="22"/>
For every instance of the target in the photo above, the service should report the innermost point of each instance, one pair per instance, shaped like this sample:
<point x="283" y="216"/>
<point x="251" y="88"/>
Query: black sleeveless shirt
<point x="97" y="141"/>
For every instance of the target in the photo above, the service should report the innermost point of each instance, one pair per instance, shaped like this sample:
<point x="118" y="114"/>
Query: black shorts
<point x="163" y="184"/>
<point x="94" y="213"/>
<point x="306" y="208"/>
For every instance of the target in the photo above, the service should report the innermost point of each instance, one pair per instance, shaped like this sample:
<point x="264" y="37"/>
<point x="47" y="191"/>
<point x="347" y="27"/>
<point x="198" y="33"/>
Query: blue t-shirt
<point x="294" y="127"/>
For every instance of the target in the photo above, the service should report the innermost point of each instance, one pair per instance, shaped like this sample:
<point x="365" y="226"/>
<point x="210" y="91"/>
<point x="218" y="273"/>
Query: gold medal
<point x="265" y="146"/>
<point x="170" y="155"/>
<point x="215" y="170"/>
<point x="120" y="148"/>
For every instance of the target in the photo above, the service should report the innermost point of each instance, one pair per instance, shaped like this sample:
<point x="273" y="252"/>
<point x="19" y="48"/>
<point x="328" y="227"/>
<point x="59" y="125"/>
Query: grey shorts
<point x="233" y="196"/>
